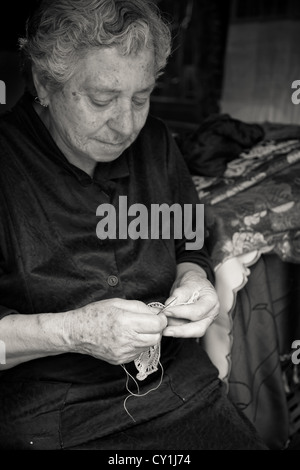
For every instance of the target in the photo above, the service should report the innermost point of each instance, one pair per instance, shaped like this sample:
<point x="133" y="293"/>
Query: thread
<point x="138" y="395"/>
<point x="146" y="364"/>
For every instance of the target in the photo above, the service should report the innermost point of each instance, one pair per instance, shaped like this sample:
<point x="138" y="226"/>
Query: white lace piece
<point x="148" y="361"/>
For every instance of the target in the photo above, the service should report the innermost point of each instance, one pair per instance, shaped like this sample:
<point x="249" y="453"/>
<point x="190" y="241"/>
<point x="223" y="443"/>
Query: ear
<point x="41" y="88"/>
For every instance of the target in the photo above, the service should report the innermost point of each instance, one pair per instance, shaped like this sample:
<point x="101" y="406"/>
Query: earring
<point x="37" y="100"/>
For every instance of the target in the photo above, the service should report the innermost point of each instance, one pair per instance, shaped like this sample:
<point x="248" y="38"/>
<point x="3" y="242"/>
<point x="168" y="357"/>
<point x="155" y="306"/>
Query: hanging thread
<point x="132" y="394"/>
<point x="147" y="363"/>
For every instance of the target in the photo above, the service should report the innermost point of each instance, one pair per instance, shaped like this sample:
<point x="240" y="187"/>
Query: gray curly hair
<point x="61" y="31"/>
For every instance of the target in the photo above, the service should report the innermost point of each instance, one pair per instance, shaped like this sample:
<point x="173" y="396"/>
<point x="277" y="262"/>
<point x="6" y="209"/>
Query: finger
<point x="134" y="306"/>
<point x="131" y="357"/>
<point x="177" y="321"/>
<point x="188" y="293"/>
<point x="144" y="341"/>
<point x="189" y="330"/>
<point x="182" y="297"/>
<point x="145" y="323"/>
<point x="194" y="312"/>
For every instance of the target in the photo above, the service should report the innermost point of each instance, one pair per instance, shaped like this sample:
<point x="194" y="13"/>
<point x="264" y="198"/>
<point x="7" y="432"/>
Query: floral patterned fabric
<point x="255" y="205"/>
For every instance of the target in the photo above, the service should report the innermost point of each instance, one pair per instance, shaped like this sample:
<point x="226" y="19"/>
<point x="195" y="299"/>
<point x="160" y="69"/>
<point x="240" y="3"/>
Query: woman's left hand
<point x="194" y="306"/>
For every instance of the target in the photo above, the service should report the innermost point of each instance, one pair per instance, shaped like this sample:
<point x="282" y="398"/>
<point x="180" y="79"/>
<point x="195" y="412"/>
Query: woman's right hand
<point x="114" y="330"/>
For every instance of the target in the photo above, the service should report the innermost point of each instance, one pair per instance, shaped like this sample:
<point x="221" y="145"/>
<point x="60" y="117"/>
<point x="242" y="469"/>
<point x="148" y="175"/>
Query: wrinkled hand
<point x="115" y="330"/>
<point x="195" y="308"/>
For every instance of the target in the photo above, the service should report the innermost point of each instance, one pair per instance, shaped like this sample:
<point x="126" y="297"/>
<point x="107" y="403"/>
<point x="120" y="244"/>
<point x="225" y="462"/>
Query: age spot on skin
<point x="75" y="95"/>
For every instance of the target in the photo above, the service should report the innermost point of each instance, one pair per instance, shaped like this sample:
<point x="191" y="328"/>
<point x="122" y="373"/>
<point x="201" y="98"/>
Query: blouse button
<point x="112" y="281"/>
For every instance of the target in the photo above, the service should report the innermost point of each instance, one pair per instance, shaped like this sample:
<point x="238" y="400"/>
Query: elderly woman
<point x="89" y="363"/>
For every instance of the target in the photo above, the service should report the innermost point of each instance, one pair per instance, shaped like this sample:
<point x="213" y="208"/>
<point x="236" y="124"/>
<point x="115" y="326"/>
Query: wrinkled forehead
<point x="107" y="67"/>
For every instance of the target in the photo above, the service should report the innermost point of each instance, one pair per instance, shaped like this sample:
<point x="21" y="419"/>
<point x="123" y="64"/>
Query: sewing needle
<point x="165" y="306"/>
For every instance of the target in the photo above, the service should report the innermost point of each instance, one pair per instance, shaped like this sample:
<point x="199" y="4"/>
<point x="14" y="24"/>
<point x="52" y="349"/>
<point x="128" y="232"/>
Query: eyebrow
<point x="104" y="89"/>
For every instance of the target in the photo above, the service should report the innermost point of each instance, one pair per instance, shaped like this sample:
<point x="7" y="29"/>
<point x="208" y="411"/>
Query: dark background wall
<point x="12" y="26"/>
<point x="12" y="22"/>
<point x="191" y="88"/>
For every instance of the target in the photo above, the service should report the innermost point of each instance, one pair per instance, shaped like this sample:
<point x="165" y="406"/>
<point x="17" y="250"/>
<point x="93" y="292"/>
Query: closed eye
<point x="101" y="104"/>
<point x="140" y="102"/>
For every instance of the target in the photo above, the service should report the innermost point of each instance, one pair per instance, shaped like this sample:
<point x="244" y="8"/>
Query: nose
<point x="123" y="120"/>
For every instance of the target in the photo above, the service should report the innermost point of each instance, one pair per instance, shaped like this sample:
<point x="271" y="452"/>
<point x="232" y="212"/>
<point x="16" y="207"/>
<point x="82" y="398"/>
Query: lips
<point x="116" y="144"/>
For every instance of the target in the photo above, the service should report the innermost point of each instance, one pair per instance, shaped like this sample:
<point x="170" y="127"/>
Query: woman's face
<point x="102" y="108"/>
